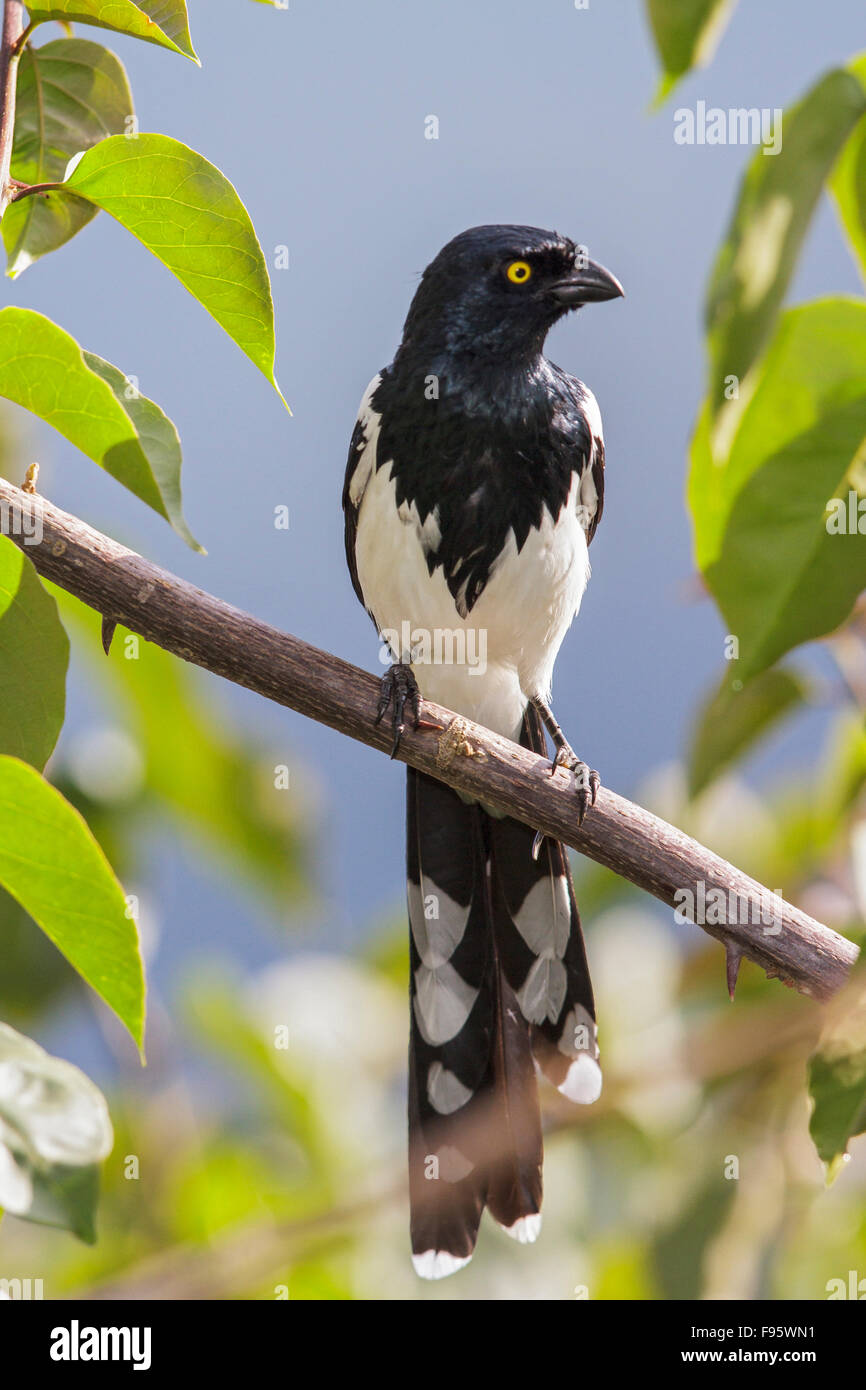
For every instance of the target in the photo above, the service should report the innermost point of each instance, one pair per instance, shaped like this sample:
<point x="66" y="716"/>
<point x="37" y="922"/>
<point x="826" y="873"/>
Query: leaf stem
<point x="17" y="190"/>
<point x="13" y="33"/>
<point x="23" y="37"/>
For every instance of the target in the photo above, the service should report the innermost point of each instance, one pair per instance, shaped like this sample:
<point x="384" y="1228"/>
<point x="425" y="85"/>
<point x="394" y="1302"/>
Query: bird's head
<point x="496" y="291"/>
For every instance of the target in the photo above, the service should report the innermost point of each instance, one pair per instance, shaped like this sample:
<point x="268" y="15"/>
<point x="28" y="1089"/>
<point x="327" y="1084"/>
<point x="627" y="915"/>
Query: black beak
<point x="589" y="283"/>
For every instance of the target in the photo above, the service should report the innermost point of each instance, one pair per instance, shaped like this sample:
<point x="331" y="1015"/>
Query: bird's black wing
<point x="360" y="467"/>
<point x="350" y="509"/>
<point x="351" y="506"/>
<point x="598" y="479"/>
<point x="580" y="423"/>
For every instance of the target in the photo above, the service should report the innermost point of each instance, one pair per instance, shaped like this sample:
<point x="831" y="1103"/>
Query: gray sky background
<point x="317" y="116"/>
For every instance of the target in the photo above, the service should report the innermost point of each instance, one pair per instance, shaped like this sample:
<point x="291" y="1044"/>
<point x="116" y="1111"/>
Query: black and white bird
<point x="474" y="486"/>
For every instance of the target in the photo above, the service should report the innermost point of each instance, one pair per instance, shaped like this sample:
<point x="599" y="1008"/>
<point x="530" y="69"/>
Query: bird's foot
<point x="399" y="690"/>
<point x="586" y="779"/>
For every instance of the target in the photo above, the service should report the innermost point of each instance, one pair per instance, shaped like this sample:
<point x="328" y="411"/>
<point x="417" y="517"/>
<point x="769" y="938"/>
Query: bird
<point x="473" y="488"/>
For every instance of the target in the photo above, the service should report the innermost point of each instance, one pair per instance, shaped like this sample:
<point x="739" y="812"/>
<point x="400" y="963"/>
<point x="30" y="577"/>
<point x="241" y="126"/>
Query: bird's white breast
<point x="488" y="664"/>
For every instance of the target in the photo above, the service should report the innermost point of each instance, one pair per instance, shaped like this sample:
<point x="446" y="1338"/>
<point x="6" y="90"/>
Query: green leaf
<point x="686" y="34"/>
<point x="733" y="719"/>
<point x="51" y="864"/>
<point x="218" y="786"/>
<point x="837" y="1077"/>
<point x="34" y="654"/>
<point x="67" y="1198"/>
<point x="71" y="94"/>
<point x="95" y="407"/>
<point x="189" y="215"/>
<point x="156" y="21"/>
<point x="754" y="266"/>
<point x="848" y="182"/>
<point x="782" y="566"/>
<point x="157" y="438"/>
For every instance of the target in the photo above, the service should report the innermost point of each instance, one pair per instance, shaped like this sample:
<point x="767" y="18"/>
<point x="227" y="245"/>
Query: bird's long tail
<point x="499" y="985"/>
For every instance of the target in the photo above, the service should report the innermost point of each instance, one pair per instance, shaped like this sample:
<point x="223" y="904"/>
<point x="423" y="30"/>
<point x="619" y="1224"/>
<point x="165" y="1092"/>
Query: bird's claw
<point x="399" y="689"/>
<point x="586" y="779"/>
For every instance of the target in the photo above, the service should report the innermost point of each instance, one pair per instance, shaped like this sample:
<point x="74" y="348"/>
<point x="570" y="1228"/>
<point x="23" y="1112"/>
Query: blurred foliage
<point x="759" y="252"/>
<point x="262" y="1154"/>
<point x="781" y="569"/>
<point x="213" y="781"/>
<point x="777" y="459"/>
<point x="837" y="1075"/>
<point x="686" y="33"/>
<point x="34" y="653"/>
<point x="694" y="1176"/>
<point x="848" y="182"/>
<point x="272" y="1163"/>
<point x="776" y="492"/>
<point x="731" y="722"/>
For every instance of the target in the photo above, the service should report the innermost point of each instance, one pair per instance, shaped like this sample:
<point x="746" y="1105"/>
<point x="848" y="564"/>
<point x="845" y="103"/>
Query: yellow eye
<point x="519" y="272"/>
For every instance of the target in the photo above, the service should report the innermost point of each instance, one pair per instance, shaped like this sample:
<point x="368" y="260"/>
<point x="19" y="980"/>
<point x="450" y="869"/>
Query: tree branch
<point x="202" y="629"/>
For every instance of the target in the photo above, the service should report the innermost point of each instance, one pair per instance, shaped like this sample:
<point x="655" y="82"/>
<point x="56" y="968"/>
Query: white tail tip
<point x="525" y="1231"/>
<point x="438" y="1264"/>
<point x="583" y="1082"/>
